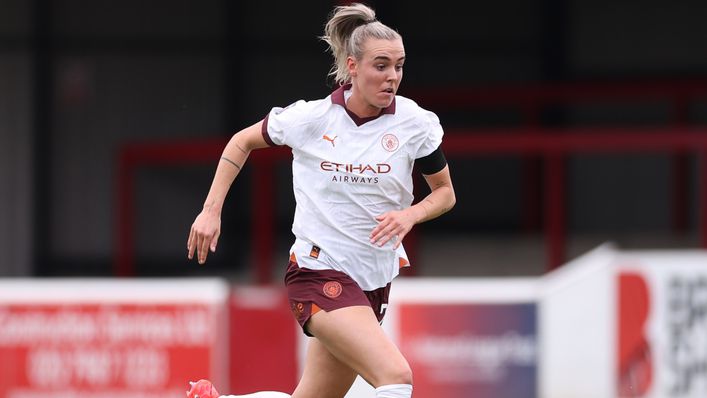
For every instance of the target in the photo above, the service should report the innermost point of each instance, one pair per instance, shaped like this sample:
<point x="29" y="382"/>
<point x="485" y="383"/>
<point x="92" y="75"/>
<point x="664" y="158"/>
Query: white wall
<point x="577" y="307"/>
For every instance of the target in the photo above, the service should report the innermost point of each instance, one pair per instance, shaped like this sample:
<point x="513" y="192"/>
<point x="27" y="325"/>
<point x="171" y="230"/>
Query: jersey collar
<point x="337" y="97"/>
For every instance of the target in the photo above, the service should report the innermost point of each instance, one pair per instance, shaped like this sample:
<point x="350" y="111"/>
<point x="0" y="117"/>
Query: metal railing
<point x="552" y="145"/>
<point x="529" y="140"/>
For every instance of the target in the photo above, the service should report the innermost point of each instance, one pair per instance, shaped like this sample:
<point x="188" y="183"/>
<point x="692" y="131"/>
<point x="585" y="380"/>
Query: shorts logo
<point x="333" y="289"/>
<point x="390" y="142"/>
<point x="297" y="309"/>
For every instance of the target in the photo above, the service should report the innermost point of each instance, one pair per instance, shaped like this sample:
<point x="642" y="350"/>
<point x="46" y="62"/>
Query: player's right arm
<point x="206" y="228"/>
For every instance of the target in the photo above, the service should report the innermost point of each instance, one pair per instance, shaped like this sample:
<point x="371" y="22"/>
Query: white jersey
<point x="346" y="171"/>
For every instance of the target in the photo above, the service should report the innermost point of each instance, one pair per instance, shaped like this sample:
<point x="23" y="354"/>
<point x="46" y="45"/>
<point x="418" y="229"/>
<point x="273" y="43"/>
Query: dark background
<point x="79" y="80"/>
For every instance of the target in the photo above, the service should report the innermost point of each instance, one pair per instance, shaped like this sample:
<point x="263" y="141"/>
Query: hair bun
<point x="339" y="32"/>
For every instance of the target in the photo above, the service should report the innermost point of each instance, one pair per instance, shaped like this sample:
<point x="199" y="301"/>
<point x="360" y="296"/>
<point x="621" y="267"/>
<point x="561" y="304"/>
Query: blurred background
<point x="82" y="83"/>
<point x="568" y="124"/>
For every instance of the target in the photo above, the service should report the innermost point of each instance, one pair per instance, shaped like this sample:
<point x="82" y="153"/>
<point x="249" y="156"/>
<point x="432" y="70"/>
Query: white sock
<point x="264" y="394"/>
<point x="394" y="391"/>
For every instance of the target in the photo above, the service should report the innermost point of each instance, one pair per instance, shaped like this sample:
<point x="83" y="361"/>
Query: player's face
<point x="377" y="75"/>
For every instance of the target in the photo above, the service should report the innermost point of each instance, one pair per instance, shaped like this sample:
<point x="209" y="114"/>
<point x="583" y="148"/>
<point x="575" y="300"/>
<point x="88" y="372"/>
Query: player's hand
<point x="203" y="235"/>
<point x="393" y="224"/>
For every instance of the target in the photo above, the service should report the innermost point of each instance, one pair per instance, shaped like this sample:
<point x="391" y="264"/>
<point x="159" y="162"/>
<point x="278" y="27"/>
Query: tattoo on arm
<point x="242" y="150"/>
<point x="440" y="184"/>
<point x="231" y="162"/>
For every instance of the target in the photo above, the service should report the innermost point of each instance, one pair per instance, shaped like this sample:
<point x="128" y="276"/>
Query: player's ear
<point x="352" y="66"/>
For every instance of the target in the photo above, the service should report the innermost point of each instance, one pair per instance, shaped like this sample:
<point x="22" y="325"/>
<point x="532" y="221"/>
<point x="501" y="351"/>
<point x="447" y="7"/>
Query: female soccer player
<point x="353" y="155"/>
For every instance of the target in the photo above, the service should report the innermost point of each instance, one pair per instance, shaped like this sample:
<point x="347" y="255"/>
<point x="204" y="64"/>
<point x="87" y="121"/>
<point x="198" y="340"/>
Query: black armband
<point x="432" y="163"/>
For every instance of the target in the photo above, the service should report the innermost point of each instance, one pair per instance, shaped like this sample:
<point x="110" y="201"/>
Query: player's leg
<point x="331" y="306"/>
<point x="324" y="375"/>
<point x="353" y="336"/>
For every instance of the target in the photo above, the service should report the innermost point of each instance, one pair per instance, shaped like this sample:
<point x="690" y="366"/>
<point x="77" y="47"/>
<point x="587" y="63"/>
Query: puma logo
<point x="327" y="138"/>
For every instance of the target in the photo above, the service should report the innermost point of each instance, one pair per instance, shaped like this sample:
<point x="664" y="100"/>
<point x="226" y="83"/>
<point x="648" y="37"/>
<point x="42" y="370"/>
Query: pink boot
<point x="202" y="389"/>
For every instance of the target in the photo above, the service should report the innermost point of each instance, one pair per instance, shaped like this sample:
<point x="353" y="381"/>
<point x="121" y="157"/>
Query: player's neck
<point x="361" y="108"/>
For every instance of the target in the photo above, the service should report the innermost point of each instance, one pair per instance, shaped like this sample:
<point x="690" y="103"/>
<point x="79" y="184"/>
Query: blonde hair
<point x="346" y="31"/>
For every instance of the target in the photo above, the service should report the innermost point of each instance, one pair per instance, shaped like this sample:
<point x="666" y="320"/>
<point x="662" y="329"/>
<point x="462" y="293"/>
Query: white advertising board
<point x="576" y="334"/>
<point x="625" y="324"/>
<point x="662" y="324"/>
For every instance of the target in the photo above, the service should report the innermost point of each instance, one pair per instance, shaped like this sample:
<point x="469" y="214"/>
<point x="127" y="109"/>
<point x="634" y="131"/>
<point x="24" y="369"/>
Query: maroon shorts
<point x="311" y="291"/>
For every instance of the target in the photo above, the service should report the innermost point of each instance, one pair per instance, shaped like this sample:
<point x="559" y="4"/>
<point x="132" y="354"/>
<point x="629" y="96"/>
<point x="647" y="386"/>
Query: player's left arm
<point x="440" y="200"/>
<point x="396" y="224"/>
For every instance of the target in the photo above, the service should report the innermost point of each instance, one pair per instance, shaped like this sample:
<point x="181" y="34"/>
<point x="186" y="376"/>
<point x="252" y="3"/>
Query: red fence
<point x="531" y="99"/>
<point x="552" y="145"/>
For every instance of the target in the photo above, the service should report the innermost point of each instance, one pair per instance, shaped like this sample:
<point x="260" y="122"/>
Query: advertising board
<point x="110" y="339"/>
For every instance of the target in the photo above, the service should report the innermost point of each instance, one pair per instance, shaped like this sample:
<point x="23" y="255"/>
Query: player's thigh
<point x="324" y="375"/>
<point x="354" y="336"/>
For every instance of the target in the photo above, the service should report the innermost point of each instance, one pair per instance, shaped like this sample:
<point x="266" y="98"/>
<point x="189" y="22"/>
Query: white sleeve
<point x="432" y="134"/>
<point x="280" y="123"/>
